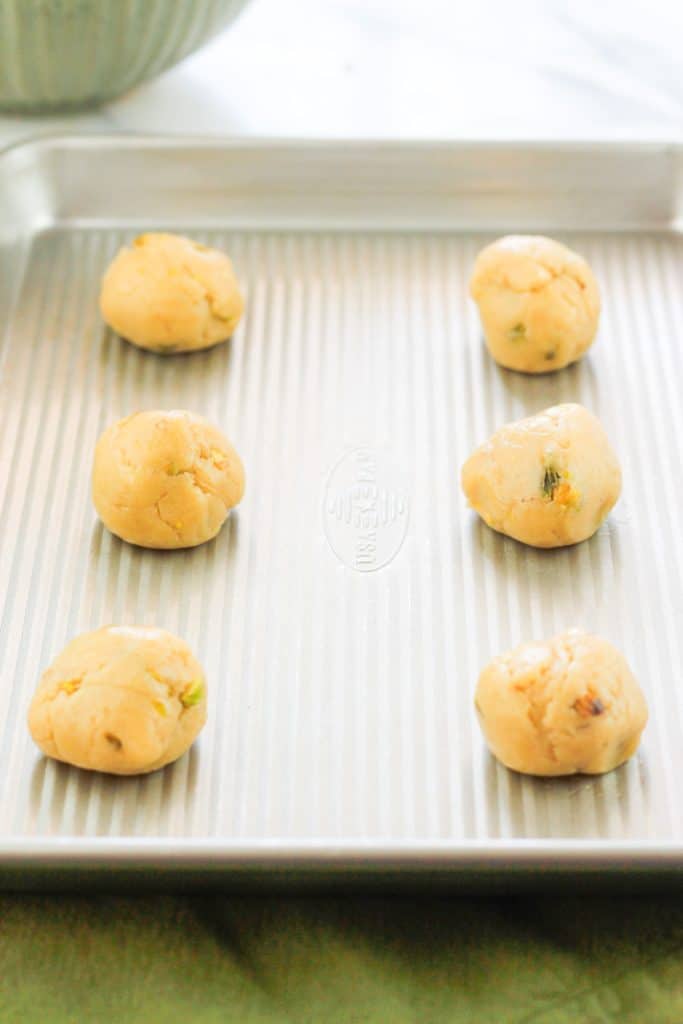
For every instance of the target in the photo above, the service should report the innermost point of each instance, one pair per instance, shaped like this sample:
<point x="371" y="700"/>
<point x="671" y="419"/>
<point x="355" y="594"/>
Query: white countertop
<point x="530" y="69"/>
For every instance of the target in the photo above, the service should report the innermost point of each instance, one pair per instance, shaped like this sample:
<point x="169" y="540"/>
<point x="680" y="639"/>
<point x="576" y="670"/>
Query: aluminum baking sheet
<point x="341" y="660"/>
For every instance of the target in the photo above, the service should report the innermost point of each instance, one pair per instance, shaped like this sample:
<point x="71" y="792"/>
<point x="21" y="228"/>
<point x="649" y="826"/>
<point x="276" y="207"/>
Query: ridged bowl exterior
<point x="61" y="54"/>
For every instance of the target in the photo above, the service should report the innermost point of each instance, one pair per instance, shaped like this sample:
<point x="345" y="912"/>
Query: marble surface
<point x="530" y="69"/>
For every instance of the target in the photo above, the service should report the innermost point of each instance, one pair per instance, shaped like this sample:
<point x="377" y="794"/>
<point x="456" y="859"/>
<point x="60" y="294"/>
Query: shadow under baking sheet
<point x="132" y="585"/>
<point x="566" y="807"/>
<point x="77" y="802"/>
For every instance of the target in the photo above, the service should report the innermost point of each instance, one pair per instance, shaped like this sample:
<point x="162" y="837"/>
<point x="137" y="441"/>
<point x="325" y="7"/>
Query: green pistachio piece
<point x="517" y="333"/>
<point x="193" y="693"/>
<point x="551" y="479"/>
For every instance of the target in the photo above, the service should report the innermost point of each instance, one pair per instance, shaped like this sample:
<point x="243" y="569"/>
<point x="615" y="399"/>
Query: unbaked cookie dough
<point x="165" y="479"/>
<point x="170" y="294"/>
<point x="557" y="708"/>
<point x="123" y="699"/>
<point x="539" y="303"/>
<point x="548" y="480"/>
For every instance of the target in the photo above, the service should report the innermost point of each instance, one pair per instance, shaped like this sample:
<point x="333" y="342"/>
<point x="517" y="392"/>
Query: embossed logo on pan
<point x="365" y="511"/>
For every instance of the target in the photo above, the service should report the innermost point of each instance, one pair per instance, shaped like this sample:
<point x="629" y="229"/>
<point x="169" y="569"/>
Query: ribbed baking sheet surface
<point x="340" y="699"/>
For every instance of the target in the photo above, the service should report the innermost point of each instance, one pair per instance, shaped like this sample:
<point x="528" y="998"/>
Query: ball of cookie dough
<point x="170" y="294"/>
<point x="123" y="699"/>
<point x="557" y="708"/>
<point x="165" y="479"/>
<point x="538" y="301"/>
<point x="548" y="480"/>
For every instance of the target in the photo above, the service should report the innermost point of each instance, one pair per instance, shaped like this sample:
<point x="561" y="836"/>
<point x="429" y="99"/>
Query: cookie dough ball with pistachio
<point x="170" y="294"/>
<point x="165" y="479"/>
<point x="557" y="708"/>
<point x="547" y="480"/>
<point x="123" y="699"/>
<point x="538" y="300"/>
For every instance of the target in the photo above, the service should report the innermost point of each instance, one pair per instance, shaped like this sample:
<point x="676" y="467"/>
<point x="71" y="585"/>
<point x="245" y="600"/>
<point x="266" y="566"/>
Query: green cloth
<point x="527" y="959"/>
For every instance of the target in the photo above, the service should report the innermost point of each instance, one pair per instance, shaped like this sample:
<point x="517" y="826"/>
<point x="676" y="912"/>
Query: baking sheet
<point x="341" y="666"/>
